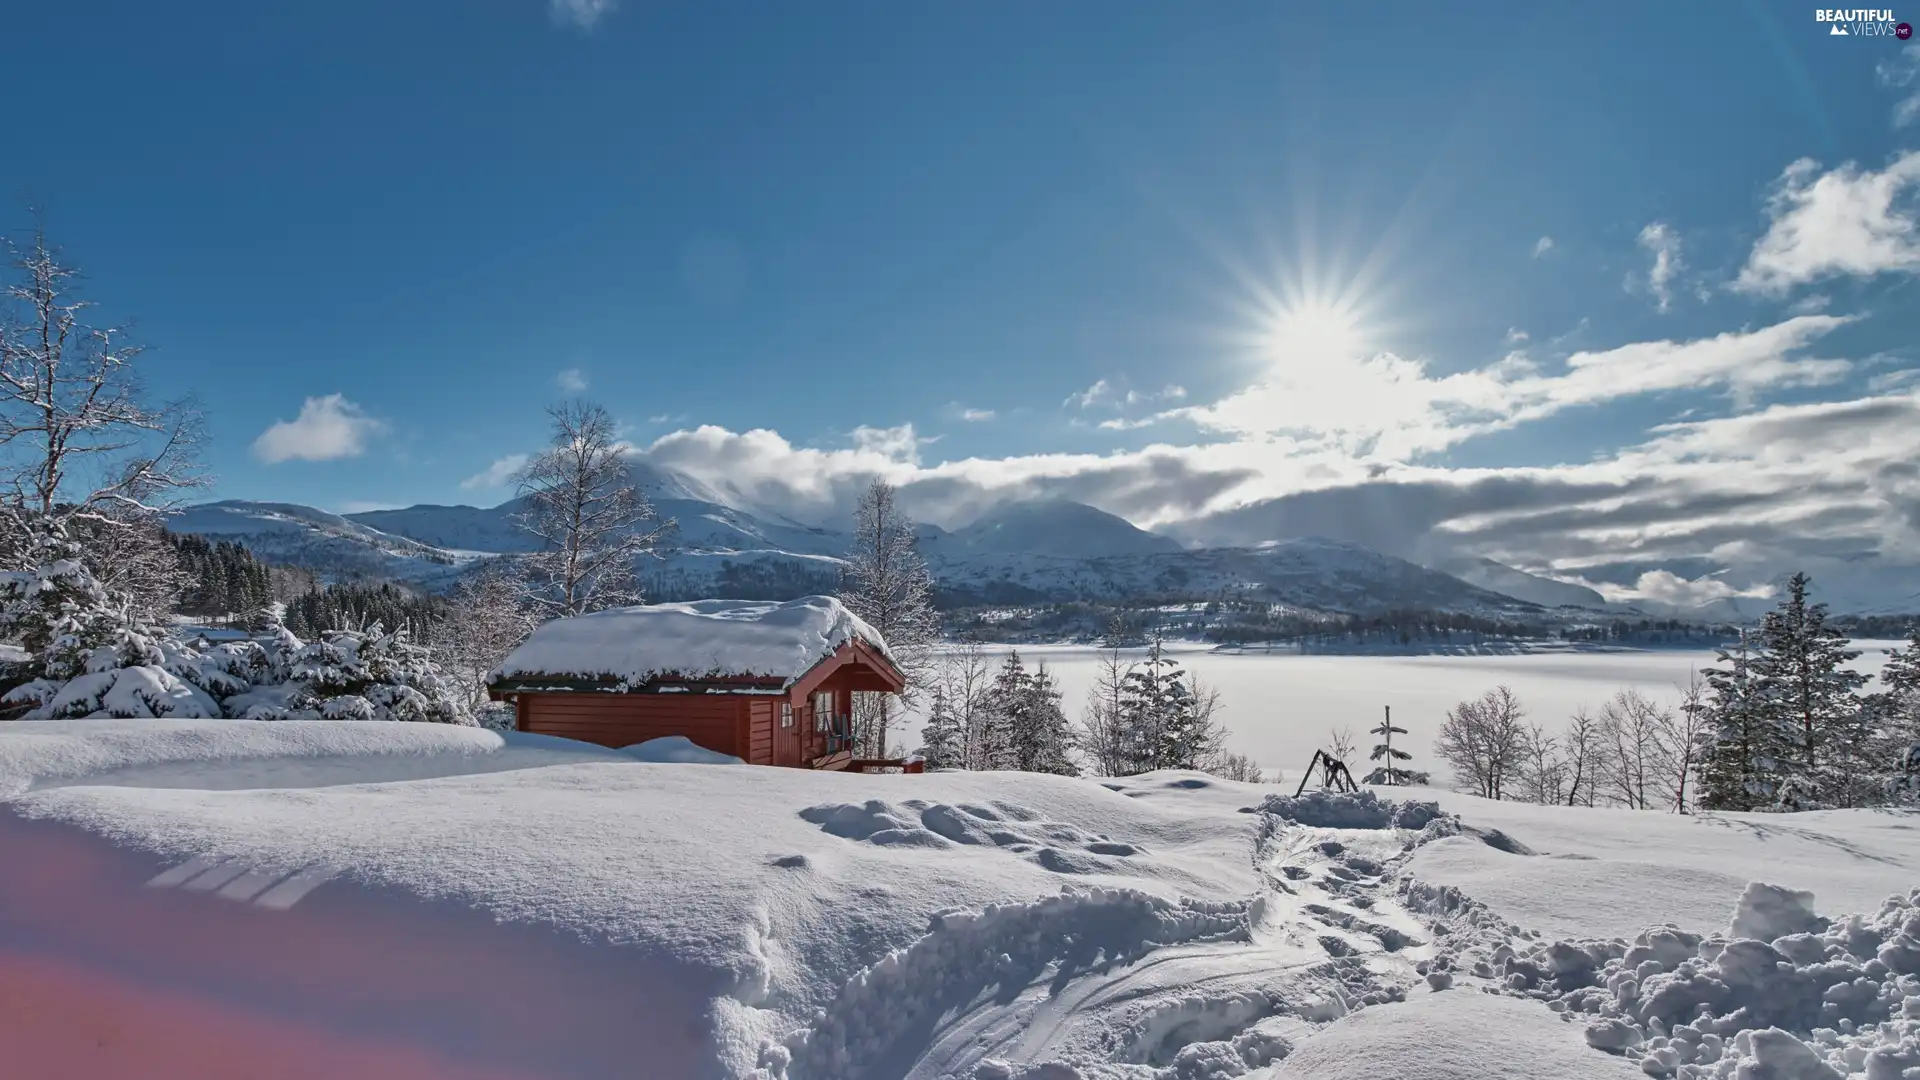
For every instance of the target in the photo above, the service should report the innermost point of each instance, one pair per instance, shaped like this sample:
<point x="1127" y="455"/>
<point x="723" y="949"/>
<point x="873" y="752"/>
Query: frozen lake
<point x="1280" y="706"/>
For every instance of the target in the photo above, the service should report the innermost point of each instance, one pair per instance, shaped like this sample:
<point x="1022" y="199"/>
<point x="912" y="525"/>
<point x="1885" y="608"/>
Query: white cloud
<point x="1542" y="246"/>
<point x="1901" y="73"/>
<point x="495" y="475"/>
<point x="581" y="13"/>
<point x="572" y="380"/>
<point x="1660" y="241"/>
<point x="976" y="416"/>
<point x="1106" y="393"/>
<point x="327" y="428"/>
<point x="1849" y="221"/>
<point x="1100" y="393"/>
<point x="899" y="444"/>
<point x="1387" y="408"/>
<point x="1516" y="336"/>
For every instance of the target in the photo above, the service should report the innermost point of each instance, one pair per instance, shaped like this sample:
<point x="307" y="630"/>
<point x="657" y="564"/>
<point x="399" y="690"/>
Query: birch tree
<point x="489" y="618"/>
<point x="885" y="582"/>
<point x="78" y="440"/>
<point x="1630" y="726"/>
<point x="1482" y="742"/>
<point x="1103" y="721"/>
<point x="592" y="522"/>
<point x="1583" y="754"/>
<point x="1683" y="736"/>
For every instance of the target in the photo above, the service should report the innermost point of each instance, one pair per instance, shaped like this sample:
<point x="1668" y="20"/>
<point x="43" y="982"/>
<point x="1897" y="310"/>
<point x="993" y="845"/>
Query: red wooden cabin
<point x="769" y="683"/>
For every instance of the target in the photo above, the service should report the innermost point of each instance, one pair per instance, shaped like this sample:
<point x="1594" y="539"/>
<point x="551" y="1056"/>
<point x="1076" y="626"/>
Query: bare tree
<point x="489" y="617"/>
<point x="1342" y="743"/>
<point x="78" y="441"/>
<point x="1543" y="771"/>
<point x="885" y="582"/>
<point x="132" y="558"/>
<point x="1630" y="727"/>
<point x="1239" y="767"/>
<point x="1681" y="734"/>
<point x="591" y="520"/>
<point x="962" y="675"/>
<point x="1584" y="754"/>
<point x="1482" y="742"/>
<point x="1103" y="720"/>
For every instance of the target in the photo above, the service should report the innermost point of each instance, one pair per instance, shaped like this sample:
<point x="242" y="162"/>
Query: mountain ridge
<point x="1033" y="552"/>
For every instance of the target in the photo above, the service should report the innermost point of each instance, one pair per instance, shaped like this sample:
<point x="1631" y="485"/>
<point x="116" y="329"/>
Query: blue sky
<point x="1168" y="258"/>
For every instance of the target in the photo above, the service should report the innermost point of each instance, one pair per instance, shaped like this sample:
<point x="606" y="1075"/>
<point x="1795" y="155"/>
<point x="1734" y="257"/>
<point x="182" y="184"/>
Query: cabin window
<point x="823" y="711"/>
<point x="786" y="714"/>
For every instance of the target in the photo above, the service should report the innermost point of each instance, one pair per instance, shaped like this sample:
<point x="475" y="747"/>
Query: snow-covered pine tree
<point x="55" y="607"/>
<point x="1003" y="710"/>
<point x="129" y="678"/>
<point x="1809" y="697"/>
<point x="1737" y="770"/>
<point x="371" y="674"/>
<point x="91" y="653"/>
<point x="1147" y="699"/>
<point x="1190" y="737"/>
<point x="943" y="739"/>
<point x="1388" y="771"/>
<point x="1042" y="738"/>
<point x="1895" y="708"/>
<point x="886" y="583"/>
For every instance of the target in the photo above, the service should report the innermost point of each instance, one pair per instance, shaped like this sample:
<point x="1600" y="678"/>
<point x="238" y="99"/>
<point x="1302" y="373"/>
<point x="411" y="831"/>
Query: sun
<point x="1316" y="330"/>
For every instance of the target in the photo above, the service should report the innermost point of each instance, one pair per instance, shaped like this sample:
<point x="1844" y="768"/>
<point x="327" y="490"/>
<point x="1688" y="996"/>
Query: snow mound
<point x="235" y="754"/>
<point x="678" y="750"/>
<point x="700" y="639"/>
<point x="1055" y="845"/>
<point x="1817" y="1003"/>
<point x="1342" y="810"/>
<point x="1458" y="1035"/>
<point x="1564" y="897"/>
<point x="1766" y="912"/>
<point x="965" y="953"/>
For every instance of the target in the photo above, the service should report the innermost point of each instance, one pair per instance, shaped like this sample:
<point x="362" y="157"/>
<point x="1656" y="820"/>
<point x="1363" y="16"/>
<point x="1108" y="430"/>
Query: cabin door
<point x="786" y="735"/>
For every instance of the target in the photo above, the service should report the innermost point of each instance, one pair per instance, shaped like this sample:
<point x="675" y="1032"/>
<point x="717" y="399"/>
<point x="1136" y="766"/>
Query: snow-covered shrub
<point x="371" y="674"/>
<point x="57" y="610"/>
<point x="87" y="653"/>
<point x="128" y="679"/>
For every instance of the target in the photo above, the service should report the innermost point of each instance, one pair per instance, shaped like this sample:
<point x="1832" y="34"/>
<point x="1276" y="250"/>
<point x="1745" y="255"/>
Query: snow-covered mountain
<point x="1021" y="553"/>
<point x="1055" y="528"/>
<point x="1501" y="578"/>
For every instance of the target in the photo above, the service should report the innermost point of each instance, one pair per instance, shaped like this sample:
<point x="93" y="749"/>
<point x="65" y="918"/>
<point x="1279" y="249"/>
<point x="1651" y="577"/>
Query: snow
<point x="678" y="749"/>
<point x="1461" y="1035"/>
<point x="692" y="640"/>
<point x="423" y="900"/>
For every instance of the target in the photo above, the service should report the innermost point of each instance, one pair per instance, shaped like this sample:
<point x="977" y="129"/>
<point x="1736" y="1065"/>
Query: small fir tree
<point x="1389" y="770"/>
<point x="944" y="739"/>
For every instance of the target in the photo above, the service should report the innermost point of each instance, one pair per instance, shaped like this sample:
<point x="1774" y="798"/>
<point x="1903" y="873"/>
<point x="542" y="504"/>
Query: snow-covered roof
<point x="705" y="639"/>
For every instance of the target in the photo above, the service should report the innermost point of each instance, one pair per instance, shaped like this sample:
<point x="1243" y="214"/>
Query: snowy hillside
<point x="1054" y="528"/>
<point x="1309" y="573"/>
<point x="1022" y="553"/>
<point x="1508" y="581"/>
<point x="419" y="901"/>
<point x="328" y="543"/>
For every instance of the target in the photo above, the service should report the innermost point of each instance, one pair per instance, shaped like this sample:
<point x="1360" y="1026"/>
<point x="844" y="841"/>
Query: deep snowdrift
<point x="389" y="900"/>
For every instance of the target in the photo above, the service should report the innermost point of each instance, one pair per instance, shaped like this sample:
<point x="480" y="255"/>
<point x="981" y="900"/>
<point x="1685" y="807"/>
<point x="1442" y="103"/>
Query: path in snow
<point x="1115" y="983"/>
